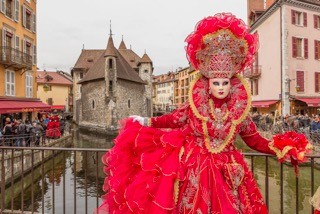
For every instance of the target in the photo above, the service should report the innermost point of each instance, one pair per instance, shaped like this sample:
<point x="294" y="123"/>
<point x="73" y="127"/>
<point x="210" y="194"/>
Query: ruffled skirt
<point x="163" y="171"/>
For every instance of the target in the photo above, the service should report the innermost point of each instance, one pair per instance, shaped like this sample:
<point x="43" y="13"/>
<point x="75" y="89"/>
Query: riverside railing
<point x="69" y="180"/>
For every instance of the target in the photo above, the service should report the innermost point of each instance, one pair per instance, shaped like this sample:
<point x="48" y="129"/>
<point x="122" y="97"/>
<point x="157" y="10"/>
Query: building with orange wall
<point x="55" y="89"/>
<point x="18" y="59"/>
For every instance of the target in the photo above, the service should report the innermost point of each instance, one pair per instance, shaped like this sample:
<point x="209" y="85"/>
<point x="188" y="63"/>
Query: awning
<point x="58" y="107"/>
<point x="14" y="106"/>
<point x="263" y="103"/>
<point x="311" y="102"/>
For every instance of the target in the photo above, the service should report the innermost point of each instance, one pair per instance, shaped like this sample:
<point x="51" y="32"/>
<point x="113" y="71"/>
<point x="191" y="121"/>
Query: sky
<point x="157" y="27"/>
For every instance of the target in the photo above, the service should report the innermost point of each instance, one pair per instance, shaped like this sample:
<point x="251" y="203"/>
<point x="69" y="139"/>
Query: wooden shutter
<point x="4" y="37"/>
<point x="316" y="49"/>
<point x="16" y="10"/>
<point x="34" y="54"/>
<point x="3" y="6"/>
<point x="256" y="87"/>
<point x="305" y="19"/>
<point x="300" y="80"/>
<point x="17" y="42"/>
<point x="24" y="17"/>
<point x="34" y="23"/>
<point x="316" y="81"/>
<point x="315" y="21"/>
<point x="293" y="17"/>
<point x="294" y="47"/>
<point x="305" y="48"/>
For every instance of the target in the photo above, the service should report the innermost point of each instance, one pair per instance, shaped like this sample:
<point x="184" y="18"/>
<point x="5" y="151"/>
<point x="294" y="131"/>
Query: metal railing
<point x="69" y="180"/>
<point x="13" y="57"/>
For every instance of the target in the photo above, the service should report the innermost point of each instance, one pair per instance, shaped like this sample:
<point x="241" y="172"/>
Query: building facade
<point x="18" y="59"/>
<point x="181" y="86"/>
<point x="110" y="85"/>
<point x="54" y="88"/>
<point x="164" y="88"/>
<point x="285" y="76"/>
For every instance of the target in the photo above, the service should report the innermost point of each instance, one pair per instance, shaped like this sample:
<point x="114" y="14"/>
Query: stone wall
<point x="93" y="103"/>
<point x="134" y="92"/>
<point x="145" y="72"/>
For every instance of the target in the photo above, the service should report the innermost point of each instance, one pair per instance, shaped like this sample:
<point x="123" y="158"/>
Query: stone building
<point x="110" y="85"/>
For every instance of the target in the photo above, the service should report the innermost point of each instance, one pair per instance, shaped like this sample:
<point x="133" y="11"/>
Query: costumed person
<point x="53" y="127"/>
<point x="186" y="161"/>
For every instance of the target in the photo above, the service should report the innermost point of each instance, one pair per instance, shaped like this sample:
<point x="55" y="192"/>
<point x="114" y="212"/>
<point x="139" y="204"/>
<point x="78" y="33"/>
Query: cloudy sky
<point x="157" y="26"/>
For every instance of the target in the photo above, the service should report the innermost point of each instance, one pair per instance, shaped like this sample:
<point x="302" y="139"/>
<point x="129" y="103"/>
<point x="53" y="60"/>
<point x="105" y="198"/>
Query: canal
<point x="52" y="179"/>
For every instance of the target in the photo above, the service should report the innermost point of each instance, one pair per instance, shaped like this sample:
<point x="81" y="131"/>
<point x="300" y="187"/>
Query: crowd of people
<point x="309" y="125"/>
<point x="18" y="132"/>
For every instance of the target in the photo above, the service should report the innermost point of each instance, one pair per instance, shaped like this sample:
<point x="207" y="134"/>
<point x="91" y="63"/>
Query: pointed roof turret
<point x="122" y="45"/>
<point x="111" y="50"/>
<point x="145" y="59"/>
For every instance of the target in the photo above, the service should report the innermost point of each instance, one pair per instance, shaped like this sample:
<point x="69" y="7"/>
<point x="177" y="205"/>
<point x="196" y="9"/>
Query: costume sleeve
<point x="175" y="119"/>
<point x="252" y="137"/>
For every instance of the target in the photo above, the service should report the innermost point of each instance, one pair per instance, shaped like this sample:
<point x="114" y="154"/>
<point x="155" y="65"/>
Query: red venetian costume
<point x="186" y="161"/>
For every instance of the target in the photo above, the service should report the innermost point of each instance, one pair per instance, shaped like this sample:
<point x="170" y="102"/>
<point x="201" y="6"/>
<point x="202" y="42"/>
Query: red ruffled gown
<point x="185" y="161"/>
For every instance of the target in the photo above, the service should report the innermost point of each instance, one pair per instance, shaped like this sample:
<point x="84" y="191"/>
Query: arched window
<point x="110" y="63"/>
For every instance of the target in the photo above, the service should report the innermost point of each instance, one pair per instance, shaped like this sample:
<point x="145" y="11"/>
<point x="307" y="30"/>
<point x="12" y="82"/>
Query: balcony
<point x="253" y="73"/>
<point x="11" y="57"/>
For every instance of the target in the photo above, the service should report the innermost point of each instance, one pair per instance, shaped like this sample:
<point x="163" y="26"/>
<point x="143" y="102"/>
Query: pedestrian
<point x="29" y="131"/>
<point x="8" y="133"/>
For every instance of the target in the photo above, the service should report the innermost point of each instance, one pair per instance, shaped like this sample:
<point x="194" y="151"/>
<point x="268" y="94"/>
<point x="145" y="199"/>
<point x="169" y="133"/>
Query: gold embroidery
<point x="216" y="116"/>
<point x="204" y="119"/>
<point x="249" y="135"/>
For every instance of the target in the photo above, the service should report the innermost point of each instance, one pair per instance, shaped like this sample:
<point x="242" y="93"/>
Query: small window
<point x="129" y="105"/>
<point x="50" y="101"/>
<point x="146" y="71"/>
<point x="80" y="75"/>
<point x="110" y="85"/>
<point x="110" y="63"/>
<point x="93" y="104"/>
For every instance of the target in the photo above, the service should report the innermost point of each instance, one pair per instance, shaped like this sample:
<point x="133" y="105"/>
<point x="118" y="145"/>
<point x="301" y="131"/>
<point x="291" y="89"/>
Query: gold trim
<point x="234" y="123"/>
<point x="281" y="153"/>
<point x="249" y="135"/>
<point x="149" y="122"/>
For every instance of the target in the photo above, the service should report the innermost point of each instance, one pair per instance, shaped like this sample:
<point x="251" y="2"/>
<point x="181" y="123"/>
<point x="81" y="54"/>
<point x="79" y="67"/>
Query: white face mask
<point x="219" y="87"/>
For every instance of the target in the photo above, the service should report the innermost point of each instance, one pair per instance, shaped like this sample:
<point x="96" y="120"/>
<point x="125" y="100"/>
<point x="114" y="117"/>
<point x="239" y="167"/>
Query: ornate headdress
<point x="221" y="46"/>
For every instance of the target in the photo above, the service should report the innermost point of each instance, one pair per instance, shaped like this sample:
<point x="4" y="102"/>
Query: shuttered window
<point x="10" y="83"/>
<point x="29" y="80"/>
<point x="28" y="19"/>
<point x="317" y="81"/>
<point x="300" y="81"/>
<point x="300" y="48"/>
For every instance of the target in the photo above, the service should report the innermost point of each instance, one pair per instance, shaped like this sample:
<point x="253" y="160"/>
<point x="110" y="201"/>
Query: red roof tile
<point x="51" y="77"/>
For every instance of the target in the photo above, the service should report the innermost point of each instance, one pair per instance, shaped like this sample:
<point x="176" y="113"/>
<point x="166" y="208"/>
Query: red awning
<point x="13" y="106"/>
<point x="263" y="104"/>
<point x="58" y="107"/>
<point x="312" y="102"/>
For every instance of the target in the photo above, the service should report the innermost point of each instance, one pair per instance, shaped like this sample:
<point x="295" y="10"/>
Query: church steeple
<point x="122" y="45"/>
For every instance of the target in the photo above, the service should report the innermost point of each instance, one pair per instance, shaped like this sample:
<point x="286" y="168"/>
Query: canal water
<point x="52" y="184"/>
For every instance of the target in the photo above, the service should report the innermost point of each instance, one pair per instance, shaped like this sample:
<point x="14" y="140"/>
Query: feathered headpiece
<point x="221" y="46"/>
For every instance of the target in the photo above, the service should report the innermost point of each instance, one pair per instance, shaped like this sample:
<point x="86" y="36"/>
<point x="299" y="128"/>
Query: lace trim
<point x="234" y="123"/>
<point x="315" y="200"/>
